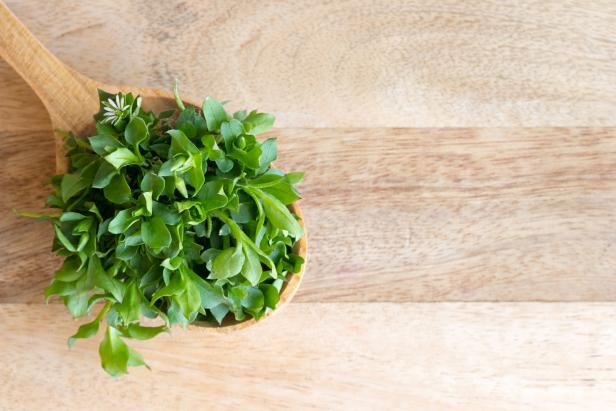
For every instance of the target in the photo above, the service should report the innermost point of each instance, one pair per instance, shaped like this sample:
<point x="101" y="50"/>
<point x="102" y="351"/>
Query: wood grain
<point x="393" y="214"/>
<point x="354" y="63"/>
<point x="70" y="99"/>
<point x="469" y="356"/>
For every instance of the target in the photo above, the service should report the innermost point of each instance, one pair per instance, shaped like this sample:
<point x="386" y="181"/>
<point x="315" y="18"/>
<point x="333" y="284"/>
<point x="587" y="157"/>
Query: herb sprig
<point x="177" y="216"/>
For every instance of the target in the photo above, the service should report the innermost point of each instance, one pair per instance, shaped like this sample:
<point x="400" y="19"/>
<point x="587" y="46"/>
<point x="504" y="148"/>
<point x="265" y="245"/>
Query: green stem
<point x="241" y="236"/>
<point x="176" y="93"/>
<point x="261" y="220"/>
<point x="103" y="311"/>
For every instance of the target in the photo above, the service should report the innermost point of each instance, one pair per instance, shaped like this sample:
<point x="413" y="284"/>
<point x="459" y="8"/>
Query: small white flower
<point x="114" y="111"/>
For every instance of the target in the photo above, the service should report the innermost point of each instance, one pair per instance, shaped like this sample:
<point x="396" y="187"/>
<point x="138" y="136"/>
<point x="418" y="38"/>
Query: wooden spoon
<point x="71" y="100"/>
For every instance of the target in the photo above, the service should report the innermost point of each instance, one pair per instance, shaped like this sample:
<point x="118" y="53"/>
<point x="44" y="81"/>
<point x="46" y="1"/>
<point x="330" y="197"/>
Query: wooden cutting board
<point x="457" y="154"/>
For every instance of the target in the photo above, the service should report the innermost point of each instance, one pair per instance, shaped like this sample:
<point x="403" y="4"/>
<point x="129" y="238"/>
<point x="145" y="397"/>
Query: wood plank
<point x="393" y="214"/>
<point x="28" y="162"/>
<point x="466" y="356"/>
<point x="354" y="63"/>
<point x="458" y="214"/>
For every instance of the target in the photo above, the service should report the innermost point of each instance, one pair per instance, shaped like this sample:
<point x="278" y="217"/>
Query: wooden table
<point x="460" y="199"/>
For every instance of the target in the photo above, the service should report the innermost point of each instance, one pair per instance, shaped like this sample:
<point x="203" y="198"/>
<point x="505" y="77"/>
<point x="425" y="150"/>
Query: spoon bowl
<point x="71" y="99"/>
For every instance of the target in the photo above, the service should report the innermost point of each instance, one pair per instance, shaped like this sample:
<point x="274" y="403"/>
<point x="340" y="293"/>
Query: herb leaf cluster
<point x="177" y="216"/>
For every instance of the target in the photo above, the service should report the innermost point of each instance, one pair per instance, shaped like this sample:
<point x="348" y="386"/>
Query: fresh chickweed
<point x="178" y="217"/>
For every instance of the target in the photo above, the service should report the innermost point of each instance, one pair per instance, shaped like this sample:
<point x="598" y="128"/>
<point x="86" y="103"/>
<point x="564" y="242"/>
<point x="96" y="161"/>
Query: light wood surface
<point x="470" y="356"/>
<point x="397" y="214"/>
<point x="414" y="214"/>
<point x="69" y="97"/>
<point x="354" y="63"/>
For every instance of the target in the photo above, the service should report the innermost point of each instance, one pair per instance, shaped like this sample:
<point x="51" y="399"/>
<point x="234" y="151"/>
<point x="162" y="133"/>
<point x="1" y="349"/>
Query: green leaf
<point x="230" y="130"/>
<point x="155" y="184"/>
<point x="71" y="270"/>
<point x="64" y="239"/>
<point x="212" y="195"/>
<point x="104" y="144"/>
<point x="145" y="200"/>
<point x="59" y="288"/>
<point x="235" y="295"/>
<point x="236" y="127"/>
<point x="194" y="176"/>
<point x="228" y="263"/>
<point x="155" y="233"/>
<point x="192" y="211"/>
<point x="103" y="280"/>
<point x="258" y="236"/>
<point x="181" y="144"/>
<point x="244" y="213"/>
<point x="135" y="359"/>
<point x="257" y="123"/>
<point x="88" y="330"/>
<point x="189" y="300"/>
<point x="284" y="192"/>
<point x="121" y="222"/>
<point x="175" y="313"/>
<point x="139" y="332"/>
<point x="130" y="307"/>
<point x="219" y="312"/>
<point x="253" y="298"/>
<point x="250" y="159"/>
<point x="118" y="190"/>
<point x="132" y="240"/>
<point x="105" y="129"/>
<point x="172" y="263"/>
<point x="165" y="212"/>
<point x="136" y="131"/>
<point x="175" y="287"/>
<point x="251" y="269"/>
<point x="209" y="254"/>
<point x="180" y="185"/>
<point x="72" y="184"/>
<point x="214" y="113"/>
<point x="211" y="296"/>
<point x="114" y="353"/>
<point x="125" y="251"/>
<point x="265" y="180"/>
<point x="99" y="297"/>
<point x="103" y="176"/>
<point x="295" y="178"/>
<point x="240" y="115"/>
<point x="224" y="164"/>
<point x="169" y="167"/>
<point x="122" y="157"/>
<point x="77" y="304"/>
<point x="278" y="214"/>
<point x="270" y="294"/>
<point x="268" y="152"/>
<point x="247" y="242"/>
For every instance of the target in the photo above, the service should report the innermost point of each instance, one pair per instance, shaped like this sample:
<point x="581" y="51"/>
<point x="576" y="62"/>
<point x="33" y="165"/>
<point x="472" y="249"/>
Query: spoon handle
<point x="64" y="92"/>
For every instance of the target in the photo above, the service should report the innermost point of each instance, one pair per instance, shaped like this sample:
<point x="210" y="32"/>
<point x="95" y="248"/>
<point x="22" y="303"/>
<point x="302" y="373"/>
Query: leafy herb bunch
<point x="178" y="216"/>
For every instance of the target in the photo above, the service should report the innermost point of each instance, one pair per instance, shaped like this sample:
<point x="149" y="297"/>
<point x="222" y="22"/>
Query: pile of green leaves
<point x="178" y="216"/>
